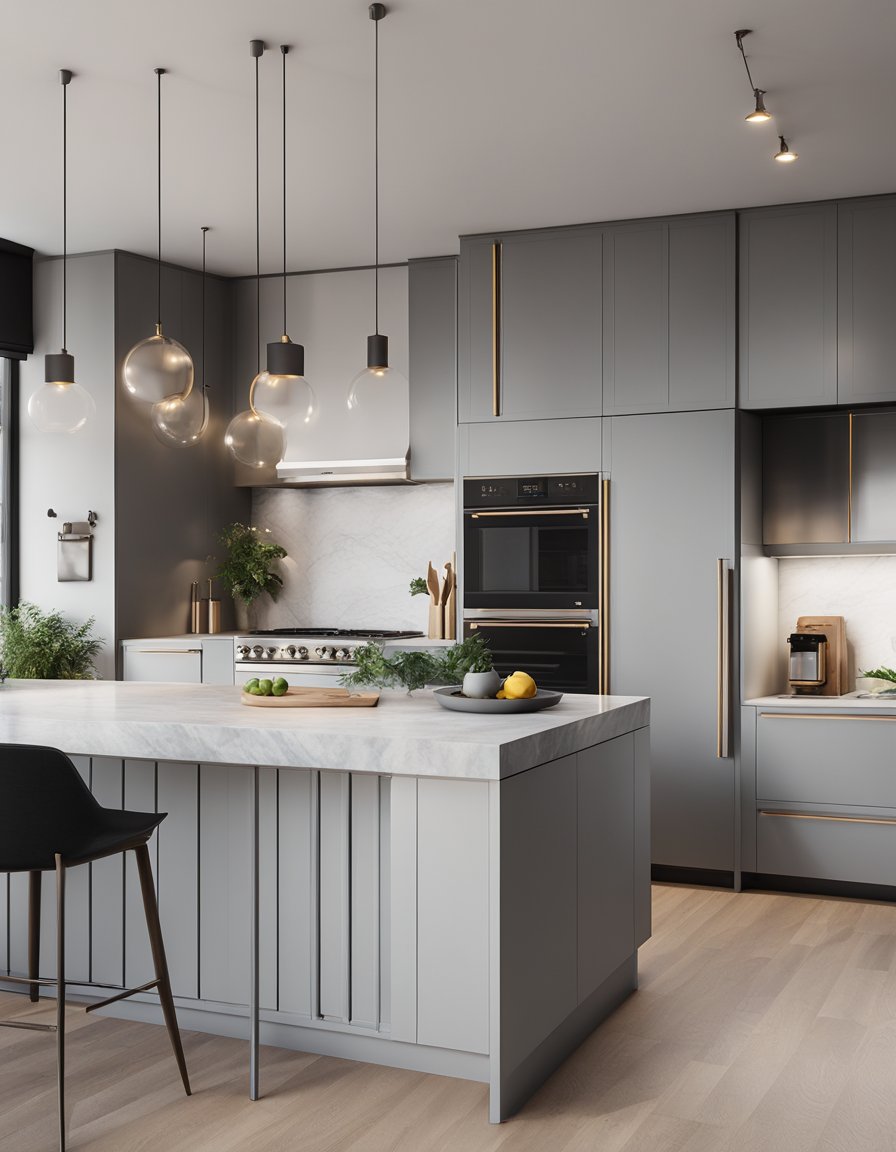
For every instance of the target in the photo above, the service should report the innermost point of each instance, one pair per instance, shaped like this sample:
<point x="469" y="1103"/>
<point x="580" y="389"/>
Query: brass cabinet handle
<point x="819" y="716"/>
<point x="838" y="819"/>
<point x="582" y="624"/>
<point x="723" y="687"/>
<point x="603" y="599"/>
<point x="496" y="328"/>
<point x="849" y="488"/>
<point x="167" y="651"/>
<point x="583" y="512"/>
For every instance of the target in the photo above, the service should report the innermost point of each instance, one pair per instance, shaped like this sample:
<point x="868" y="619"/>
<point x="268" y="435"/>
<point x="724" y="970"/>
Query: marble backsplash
<point x="862" y="589"/>
<point x="352" y="553"/>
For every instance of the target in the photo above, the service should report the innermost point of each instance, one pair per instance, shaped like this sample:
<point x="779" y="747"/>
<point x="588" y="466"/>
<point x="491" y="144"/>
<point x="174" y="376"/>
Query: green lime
<point x="250" y="684"/>
<point x="280" y="687"/>
<point x="265" y="687"/>
<point x="254" y="691"/>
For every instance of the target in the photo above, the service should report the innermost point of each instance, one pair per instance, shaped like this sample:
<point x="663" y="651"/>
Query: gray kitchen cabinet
<point x="788" y="306"/>
<point x="529" y="325"/>
<point x="179" y="660"/>
<point x="866" y="299"/>
<point x="873" y="478"/>
<point x="672" y="504"/>
<point x="669" y="315"/>
<point x="432" y="366"/>
<point x="805" y="479"/>
<point x="529" y="447"/>
<point x="825" y="795"/>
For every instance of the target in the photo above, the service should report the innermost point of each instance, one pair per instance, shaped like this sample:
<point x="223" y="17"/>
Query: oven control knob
<point x="291" y="651"/>
<point x="272" y="652"/>
<point x="303" y="653"/>
<point x="320" y="653"/>
<point x="243" y="650"/>
<point x="342" y="654"/>
<point x="258" y="651"/>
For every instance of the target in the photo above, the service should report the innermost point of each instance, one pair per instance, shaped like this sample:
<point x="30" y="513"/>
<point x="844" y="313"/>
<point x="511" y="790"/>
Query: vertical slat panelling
<point x="365" y="911"/>
<point x="296" y="907"/>
<point x="403" y="932"/>
<point x="385" y="783"/>
<point x="334" y="895"/>
<point x="4" y="922"/>
<point x="268" y="882"/>
<point x="177" y="874"/>
<point x="224" y="807"/>
<point x="139" y="796"/>
<point x="107" y="884"/>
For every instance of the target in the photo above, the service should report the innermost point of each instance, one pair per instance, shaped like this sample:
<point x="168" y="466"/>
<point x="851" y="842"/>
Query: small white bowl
<point x="876" y="685"/>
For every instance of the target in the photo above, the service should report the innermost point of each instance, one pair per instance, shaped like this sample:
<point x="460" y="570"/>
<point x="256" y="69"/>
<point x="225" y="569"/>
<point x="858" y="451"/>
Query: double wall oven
<point x="535" y="576"/>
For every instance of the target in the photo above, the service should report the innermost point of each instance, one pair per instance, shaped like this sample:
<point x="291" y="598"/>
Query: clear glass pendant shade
<point x="255" y="438"/>
<point x="374" y="390"/>
<point x="181" y="420"/>
<point x="60" y="408"/>
<point x="289" y="399"/>
<point x="158" y="368"/>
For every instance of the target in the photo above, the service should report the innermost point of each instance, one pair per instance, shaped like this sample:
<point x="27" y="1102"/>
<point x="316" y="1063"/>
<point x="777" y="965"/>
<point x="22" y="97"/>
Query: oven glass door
<point x="562" y="655"/>
<point x="541" y="559"/>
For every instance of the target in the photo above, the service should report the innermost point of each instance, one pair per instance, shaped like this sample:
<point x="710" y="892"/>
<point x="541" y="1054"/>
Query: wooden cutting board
<point x="313" y="698"/>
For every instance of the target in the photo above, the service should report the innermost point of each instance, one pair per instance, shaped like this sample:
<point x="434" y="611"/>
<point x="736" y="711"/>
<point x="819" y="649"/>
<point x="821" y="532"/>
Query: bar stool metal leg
<point x="34" y="933"/>
<point x="60" y="995"/>
<point x="151" y="910"/>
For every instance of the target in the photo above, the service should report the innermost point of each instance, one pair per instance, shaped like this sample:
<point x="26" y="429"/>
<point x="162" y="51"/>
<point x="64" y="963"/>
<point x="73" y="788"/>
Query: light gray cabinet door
<point x="432" y="366"/>
<point x="873" y="476"/>
<point x="547" y="324"/>
<point x="669" y="315"/>
<point x="866" y="301"/>
<point x="788" y="306"/>
<point x="671" y="520"/>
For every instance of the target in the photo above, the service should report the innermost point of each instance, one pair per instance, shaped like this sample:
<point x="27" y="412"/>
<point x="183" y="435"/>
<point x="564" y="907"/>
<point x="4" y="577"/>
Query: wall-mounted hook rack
<point x="74" y="548"/>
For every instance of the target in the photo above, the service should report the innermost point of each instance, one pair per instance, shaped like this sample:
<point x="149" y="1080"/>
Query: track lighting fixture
<point x="759" y="115"/>
<point x="784" y="155"/>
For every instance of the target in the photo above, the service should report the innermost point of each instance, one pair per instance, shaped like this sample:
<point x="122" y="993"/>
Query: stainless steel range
<point x="309" y="657"/>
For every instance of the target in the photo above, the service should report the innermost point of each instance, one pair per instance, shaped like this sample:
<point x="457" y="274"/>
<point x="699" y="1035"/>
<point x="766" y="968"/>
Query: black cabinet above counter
<point x="829" y="483"/>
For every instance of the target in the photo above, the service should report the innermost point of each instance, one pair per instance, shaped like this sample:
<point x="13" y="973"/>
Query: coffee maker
<point x="818" y="658"/>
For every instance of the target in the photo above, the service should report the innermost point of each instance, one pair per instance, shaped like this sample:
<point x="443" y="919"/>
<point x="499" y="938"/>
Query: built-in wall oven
<point x="535" y="583"/>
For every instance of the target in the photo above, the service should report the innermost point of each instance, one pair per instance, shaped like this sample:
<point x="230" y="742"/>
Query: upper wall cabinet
<point x="432" y="366"/>
<point x="669" y="315"/>
<point x="866" y="349"/>
<point x="529" y="326"/>
<point x="788" y="306"/>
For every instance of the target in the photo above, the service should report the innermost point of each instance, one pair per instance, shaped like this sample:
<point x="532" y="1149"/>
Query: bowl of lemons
<point x="517" y="693"/>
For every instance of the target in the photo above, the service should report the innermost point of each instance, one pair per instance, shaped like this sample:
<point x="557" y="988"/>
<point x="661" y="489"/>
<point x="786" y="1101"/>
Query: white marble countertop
<point x="851" y="702"/>
<point x="404" y="735"/>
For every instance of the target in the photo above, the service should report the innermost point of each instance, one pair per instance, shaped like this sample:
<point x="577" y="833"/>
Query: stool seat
<point x="50" y="821"/>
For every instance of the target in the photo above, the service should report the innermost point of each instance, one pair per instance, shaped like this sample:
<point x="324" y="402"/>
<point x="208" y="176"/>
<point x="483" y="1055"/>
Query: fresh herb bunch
<point x="246" y="570"/>
<point x="418" y="586"/>
<point x="417" y="668"/>
<point x="44" y="646"/>
<point x="881" y="674"/>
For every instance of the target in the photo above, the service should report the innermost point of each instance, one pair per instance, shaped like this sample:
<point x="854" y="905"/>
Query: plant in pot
<point x="37" y="645"/>
<point x="246" y="570"/>
<point x="481" y="681"/>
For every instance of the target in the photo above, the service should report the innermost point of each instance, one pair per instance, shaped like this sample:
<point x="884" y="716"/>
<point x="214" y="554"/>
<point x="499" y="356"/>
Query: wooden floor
<point x="762" y="1022"/>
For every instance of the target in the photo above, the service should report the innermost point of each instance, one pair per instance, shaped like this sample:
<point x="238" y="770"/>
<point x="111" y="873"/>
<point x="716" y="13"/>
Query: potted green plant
<point x="246" y="571"/>
<point x="417" y="668"/>
<point x="37" y="645"/>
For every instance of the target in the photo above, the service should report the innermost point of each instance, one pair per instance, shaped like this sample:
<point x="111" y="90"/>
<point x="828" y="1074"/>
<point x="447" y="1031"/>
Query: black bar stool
<point x="49" y="821"/>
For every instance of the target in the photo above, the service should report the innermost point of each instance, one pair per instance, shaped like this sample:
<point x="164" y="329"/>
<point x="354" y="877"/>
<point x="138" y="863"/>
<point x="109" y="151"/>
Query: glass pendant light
<point x="377" y="386"/>
<point x="60" y="405"/>
<point x="283" y="391"/>
<point x="182" y="420"/>
<point x="254" y="437"/>
<point x="158" y="367"/>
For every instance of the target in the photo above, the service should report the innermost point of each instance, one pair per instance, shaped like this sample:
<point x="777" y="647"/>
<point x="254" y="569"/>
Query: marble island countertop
<point x="851" y="702"/>
<point x="403" y="735"/>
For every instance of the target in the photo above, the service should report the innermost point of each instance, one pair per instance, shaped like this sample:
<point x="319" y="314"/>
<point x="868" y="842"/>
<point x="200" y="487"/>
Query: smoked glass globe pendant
<point x="60" y="405"/>
<point x="158" y="367"/>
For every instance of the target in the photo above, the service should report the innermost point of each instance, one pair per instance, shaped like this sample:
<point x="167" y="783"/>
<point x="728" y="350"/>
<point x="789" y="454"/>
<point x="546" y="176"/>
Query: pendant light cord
<point x="257" y="232"/>
<point x="284" y="48"/>
<point x="204" y="230"/>
<point x="65" y="79"/>
<point x="376" y="174"/>
<point x="159" y="73"/>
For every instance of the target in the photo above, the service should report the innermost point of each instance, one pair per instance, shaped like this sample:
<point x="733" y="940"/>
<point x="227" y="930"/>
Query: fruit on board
<point x="519" y="686"/>
<point x="280" y="687"/>
<point x="265" y="687"/>
<point x="253" y="683"/>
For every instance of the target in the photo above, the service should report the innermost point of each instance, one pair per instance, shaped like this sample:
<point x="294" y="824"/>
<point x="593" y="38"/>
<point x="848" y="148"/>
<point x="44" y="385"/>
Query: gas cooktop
<point x="357" y="633"/>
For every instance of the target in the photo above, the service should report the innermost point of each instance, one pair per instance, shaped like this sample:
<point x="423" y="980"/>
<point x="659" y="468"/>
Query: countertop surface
<point x="404" y="735"/>
<point x="851" y="702"/>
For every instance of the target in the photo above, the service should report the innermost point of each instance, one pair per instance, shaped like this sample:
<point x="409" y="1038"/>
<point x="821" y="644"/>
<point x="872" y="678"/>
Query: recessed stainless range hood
<point x="333" y="473"/>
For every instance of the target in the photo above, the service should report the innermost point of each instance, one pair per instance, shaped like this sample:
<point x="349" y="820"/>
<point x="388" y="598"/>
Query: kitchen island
<point x="459" y="894"/>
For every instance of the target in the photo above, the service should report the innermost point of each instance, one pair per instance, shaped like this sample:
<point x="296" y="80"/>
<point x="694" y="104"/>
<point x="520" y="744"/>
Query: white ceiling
<point x="494" y="114"/>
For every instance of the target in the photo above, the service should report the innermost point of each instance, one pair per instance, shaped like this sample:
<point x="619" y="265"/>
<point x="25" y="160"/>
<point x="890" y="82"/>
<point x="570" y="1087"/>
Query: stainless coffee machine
<point x="818" y="659"/>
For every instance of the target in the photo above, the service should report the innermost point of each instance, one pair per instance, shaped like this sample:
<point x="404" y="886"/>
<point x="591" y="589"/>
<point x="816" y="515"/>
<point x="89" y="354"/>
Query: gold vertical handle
<point x="723" y="687"/>
<point x="496" y="328"/>
<point x="849" y="489"/>
<point x="603" y="597"/>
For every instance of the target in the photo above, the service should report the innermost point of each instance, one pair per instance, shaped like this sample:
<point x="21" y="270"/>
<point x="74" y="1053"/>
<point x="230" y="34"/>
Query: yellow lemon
<point x="501" y="694"/>
<point x="519" y="686"/>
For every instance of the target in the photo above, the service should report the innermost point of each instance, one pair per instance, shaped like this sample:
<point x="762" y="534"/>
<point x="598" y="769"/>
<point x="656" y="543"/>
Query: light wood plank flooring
<point x="763" y="1023"/>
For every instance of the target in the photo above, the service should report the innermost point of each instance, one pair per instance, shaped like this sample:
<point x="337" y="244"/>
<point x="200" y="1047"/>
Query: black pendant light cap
<point x="285" y="358"/>
<point x="59" y="368"/>
<point x="256" y="48"/>
<point x="65" y="76"/>
<point x="377" y="352"/>
<point x="376" y="11"/>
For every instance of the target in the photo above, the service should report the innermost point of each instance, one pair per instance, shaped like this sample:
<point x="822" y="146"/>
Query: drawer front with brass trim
<point x="827" y="846"/>
<point x="826" y="759"/>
